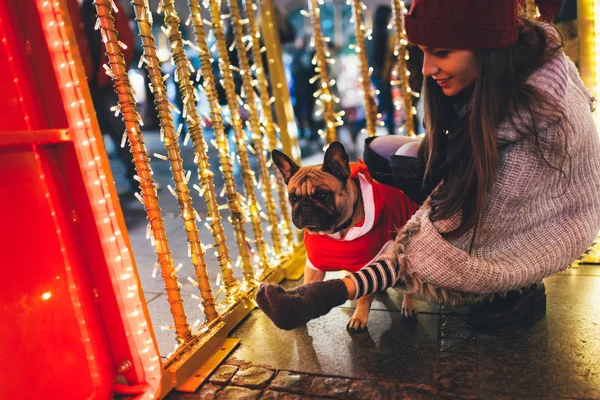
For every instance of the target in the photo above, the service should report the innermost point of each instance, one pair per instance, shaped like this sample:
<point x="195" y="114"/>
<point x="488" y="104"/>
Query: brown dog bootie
<point x="293" y="308"/>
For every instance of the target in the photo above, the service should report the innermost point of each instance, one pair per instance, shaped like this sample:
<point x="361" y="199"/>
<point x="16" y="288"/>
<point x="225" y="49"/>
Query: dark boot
<point x="518" y="307"/>
<point x="293" y="308"/>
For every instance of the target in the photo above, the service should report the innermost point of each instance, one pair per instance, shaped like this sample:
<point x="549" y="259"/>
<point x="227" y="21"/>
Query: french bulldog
<point x="327" y="201"/>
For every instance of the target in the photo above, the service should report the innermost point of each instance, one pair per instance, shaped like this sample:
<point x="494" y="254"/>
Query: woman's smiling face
<point x="452" y="69"/>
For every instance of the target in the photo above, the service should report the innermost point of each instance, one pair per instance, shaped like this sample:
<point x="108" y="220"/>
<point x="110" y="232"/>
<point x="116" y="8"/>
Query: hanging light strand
<point x="270" y="128"/>
<point x="400" y="71"/>
<point x="233" y="197"/>
<point x="365" y="75"/>
<point x="182" y="75"/>
<point x="531" y="10"/>
<point x="118" y="72"/>
<point x="257" y="137"/>
<point x="325" y="97"/>
<point x="236" y="121"/>
<point x="171" y="142"/>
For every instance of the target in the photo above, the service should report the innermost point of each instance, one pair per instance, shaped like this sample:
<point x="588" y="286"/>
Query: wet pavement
<point x="434" y="357"/>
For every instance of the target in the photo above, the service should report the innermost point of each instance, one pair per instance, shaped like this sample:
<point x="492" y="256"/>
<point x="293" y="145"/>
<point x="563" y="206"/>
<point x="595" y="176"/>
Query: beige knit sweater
<point x="528" y="229"/>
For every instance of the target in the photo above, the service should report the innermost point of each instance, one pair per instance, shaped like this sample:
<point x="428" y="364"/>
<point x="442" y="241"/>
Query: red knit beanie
<point x="463" y="24"/>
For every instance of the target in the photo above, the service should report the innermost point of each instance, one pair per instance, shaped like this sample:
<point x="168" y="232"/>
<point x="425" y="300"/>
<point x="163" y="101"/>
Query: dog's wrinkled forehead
<point x="310" y="179"/>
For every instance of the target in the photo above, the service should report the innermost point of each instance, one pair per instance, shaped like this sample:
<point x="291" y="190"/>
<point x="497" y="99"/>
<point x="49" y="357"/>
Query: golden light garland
<point x="188" y="213"/>
<point x="531" y="10"/>
<point x="118" y="73"/>
<point x="233" y="197"/>
<point x="588" y="16"/>
<point x="182" y="76"/>
<point x="325" y="98"/>
<point x="400" y="71"/>
<point x="269" y="127"/>
<point x="254" y="124"/>
<point x="365" y="73"/>
<point x="248" y="175"/>
<point x="283" y="110"/>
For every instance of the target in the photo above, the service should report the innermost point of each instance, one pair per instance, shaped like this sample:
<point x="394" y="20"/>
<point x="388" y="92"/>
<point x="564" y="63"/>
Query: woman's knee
<point x="386" y="146"/>
<point x="410" y="149"/>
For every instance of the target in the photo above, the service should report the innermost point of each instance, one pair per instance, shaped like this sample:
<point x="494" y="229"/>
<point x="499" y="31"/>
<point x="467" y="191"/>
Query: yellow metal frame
<point x="588" y="15"/>
<point x="283" y="107"/>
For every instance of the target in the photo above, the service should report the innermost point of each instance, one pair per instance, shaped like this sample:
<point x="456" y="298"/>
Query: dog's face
<point x="319" y="194"/>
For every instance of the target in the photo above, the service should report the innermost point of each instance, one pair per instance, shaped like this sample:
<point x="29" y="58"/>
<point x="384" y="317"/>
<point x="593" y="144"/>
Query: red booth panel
<point x="46" y="283"/>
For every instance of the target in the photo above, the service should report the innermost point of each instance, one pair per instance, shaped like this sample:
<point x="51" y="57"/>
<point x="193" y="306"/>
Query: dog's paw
<point x="356" y="325"/>
<point x="409" y="308"/>
<point x="358" y="321"/>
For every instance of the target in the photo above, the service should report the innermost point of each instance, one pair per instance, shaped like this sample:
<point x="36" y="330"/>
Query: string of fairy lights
<point x="248" y="176"/>
<point x="325" y="99"/>
<point x="180" y="177"/>
<point x="400" y="72"/>
<point x="116" y="69"/>
<point x="243" y="44"/>
<point x="268" y="126"/>
<point x="370" y="105"/>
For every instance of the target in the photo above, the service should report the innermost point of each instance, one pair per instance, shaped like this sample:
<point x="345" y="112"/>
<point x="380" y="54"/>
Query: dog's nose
<point x="303" y="215"/>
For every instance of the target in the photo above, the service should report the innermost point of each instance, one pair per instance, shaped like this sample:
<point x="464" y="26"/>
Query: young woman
<point x="511" y="160"/>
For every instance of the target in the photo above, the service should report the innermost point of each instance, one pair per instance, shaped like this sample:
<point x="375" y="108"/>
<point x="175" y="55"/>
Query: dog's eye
<point x="322" y="195"/>
<point x="293" y="198"/>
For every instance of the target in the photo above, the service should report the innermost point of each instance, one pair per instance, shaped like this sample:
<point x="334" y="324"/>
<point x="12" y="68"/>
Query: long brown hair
<point x="469" y="158"/>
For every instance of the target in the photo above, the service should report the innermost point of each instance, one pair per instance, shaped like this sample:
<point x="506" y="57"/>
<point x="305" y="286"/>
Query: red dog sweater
<point x="387" y="209"/>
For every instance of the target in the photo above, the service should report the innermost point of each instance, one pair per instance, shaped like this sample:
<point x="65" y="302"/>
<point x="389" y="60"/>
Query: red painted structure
<point x="75" y="319"/>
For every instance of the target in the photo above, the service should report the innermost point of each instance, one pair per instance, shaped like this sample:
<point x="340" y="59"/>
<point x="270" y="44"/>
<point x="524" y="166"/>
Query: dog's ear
<point x="337" y="162"/>
<point x="285" y="165"/>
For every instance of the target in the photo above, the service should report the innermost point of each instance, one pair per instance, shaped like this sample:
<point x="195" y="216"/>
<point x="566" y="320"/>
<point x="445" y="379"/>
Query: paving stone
<point x="457" y="371"/>
<point x="421" y="373"/>
<point x="208" y="391"/>
<point x="453" y="322"/>
<point x="504" y="396"/>
<point x="457" y="310"/>
<point x="237" y="362"/>
<point x="223" y="374"/>
<point x="458" y="345"/>
<point x="486" y="344"/>
<point x="291" y="382"/>
<point x="371" y="390"/>
<point x="454" y="328"/>
<point x="515" y="374"/>
<point x="329" y="386"/>
<point x="458" y="362"/>
<point x="460" y="395"/>
<point x="455" y="334"/>
<point x="237" y="393"/>
<point x="275" y="395"/>
<point x="412" y="391"/>
<point x="255" y="377"/>
<point x="453" y="380"/>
